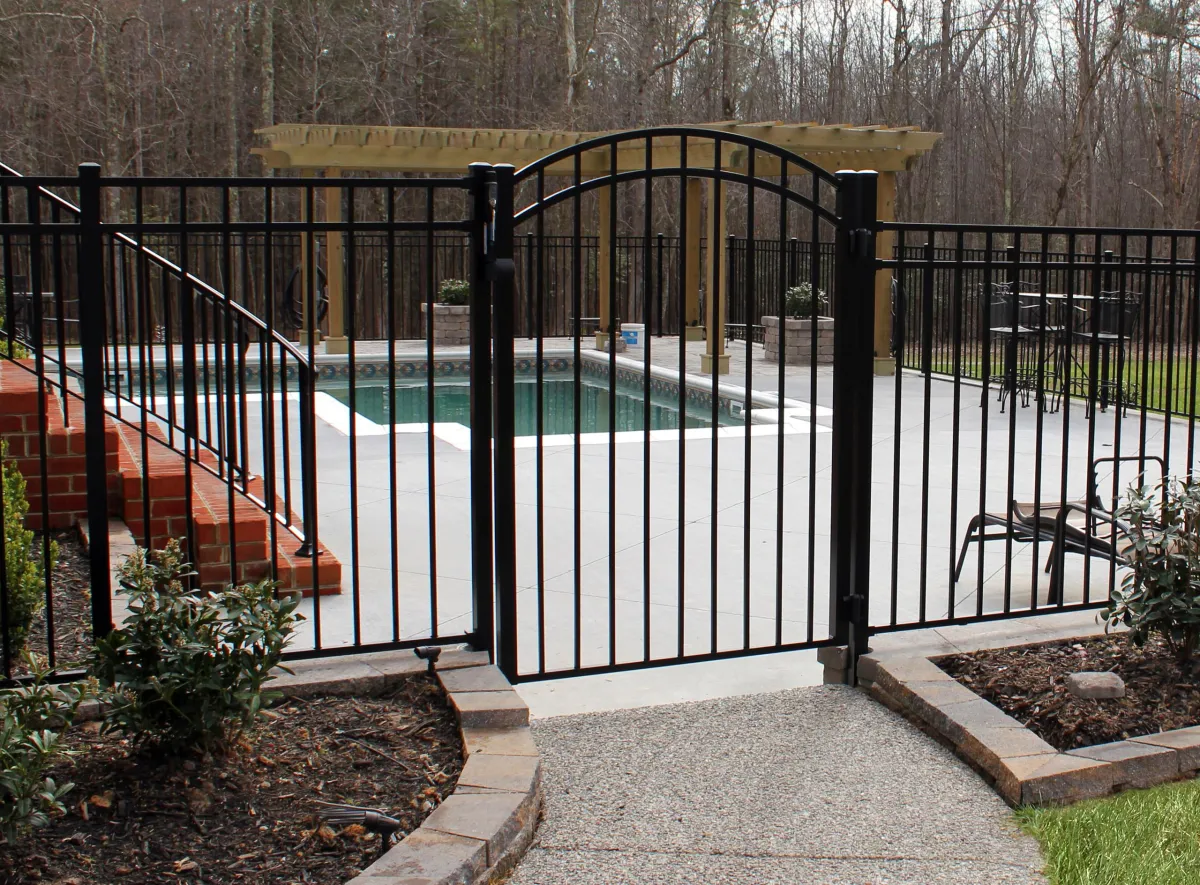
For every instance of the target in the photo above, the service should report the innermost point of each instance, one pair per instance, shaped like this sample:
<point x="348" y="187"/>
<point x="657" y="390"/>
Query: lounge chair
<point x="1070" y="527"/>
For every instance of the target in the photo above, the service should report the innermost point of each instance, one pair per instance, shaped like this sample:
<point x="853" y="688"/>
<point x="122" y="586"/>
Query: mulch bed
<point x="70" y="586"/>
<point x="1029" y="684"/>
<point x="251" y="817"/>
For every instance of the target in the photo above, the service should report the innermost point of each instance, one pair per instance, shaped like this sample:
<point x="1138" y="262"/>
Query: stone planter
<point x="798" y="340"/>
<point x="451" y="324"/>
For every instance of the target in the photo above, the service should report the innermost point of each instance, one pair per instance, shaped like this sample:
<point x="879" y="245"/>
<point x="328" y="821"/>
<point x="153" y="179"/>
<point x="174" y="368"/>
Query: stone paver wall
<point x="798" y="340"/>
<point x="451" y="324"/>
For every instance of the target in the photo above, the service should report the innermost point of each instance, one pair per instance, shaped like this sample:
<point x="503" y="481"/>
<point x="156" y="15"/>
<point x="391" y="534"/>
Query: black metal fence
<point x="571" y="508"/>
<point x="1053" y="368"/>
<point x="748" y="305"/>
<point x="202" y="420"/>
<point x="945" y="311"/>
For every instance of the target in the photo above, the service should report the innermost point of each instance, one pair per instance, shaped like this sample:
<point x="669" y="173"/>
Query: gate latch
<point x="499" y="269"/>
<point x="862" y="243"/>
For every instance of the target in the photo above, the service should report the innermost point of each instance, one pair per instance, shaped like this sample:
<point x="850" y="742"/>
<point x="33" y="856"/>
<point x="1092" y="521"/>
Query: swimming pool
<point x="451" y="403"/>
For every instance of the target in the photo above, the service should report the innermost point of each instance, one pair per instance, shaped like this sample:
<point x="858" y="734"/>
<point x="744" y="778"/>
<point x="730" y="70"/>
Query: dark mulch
<point x="70" y="586"/>
<point x="250" y="817"/>
<point x="1030" y="685"/>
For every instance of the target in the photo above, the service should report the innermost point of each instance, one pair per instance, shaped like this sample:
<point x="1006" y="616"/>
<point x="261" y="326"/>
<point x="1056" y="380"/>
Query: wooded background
<point x="1054" y="111"/>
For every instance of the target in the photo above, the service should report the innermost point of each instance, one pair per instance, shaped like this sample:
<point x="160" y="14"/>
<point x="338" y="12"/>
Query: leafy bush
<point x="457" y="292"/>
<point x="187" y="668"/>
<point x="798" y="301"/>
<point x="33" y="718"/>
<point x="1160" y="592"/>
<point x="23" y="564"/>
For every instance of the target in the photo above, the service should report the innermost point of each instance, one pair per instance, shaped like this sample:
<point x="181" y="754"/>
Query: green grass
<point x="1148" y="379"/>
<point x="1143" y="837"/>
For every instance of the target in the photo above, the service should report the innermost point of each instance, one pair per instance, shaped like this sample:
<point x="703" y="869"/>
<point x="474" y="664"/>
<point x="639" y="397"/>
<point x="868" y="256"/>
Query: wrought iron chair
<point x="1013" y="324"/>
<point x="1042" y="348"/>
<point x="1111" y="322"/>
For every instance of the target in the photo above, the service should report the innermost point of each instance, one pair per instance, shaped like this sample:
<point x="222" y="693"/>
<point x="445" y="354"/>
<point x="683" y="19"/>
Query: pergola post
<point x="306" y="246"/>
<point x="715" y="360"/>
<point x="604" y="267"/>
<point x="335" y="269"/>
<point x="693" y="331"/>
<point x="885" y="210"/>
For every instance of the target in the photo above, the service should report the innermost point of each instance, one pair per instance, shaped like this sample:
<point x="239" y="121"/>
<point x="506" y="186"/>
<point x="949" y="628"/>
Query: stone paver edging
<point x="484" y="827"/>
<point x="1023" y="768"/>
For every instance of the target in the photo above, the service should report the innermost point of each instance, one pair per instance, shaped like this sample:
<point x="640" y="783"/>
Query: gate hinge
<point x="856" y="605"/>
<point x="862" y="243"/>
<point x="500" y="269"/>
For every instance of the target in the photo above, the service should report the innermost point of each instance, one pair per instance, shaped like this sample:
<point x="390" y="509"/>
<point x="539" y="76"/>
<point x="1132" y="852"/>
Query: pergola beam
<point x="333" y="150"/>
<point x="427" y="150"/>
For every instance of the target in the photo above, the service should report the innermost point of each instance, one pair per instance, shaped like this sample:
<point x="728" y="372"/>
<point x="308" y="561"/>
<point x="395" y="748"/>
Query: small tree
<point x="1160" y="592"/>
<point x="23" y="566"/>
<point x="187" y="668"/>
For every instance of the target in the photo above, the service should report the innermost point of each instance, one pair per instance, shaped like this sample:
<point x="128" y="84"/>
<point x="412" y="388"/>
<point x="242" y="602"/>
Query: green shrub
<point x="186" y="669"/>
<point x="798" y="301"/>
<point x="33" y="718"/>
<point x="457" y="292"/>
<point x="1160" y="591"/>
<point x="19" y="351"/>
<point x="22" y="562"/>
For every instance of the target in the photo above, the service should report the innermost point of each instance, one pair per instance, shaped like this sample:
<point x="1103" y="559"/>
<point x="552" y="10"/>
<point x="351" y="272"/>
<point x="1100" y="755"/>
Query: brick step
<point x="249" y="529"/>
<point x="295" y="572"/>
<point x="246" y="529"/>
<point x="64" y="446"/>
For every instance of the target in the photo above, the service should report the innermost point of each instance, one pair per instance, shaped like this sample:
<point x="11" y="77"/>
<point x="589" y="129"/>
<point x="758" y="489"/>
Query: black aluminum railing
<point x="200" y="388"/>
<point x="507" y="484"/>
<point x="1040" y="368"/>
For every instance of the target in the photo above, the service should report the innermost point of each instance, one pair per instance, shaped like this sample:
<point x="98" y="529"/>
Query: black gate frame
<point x="855" y="266"/>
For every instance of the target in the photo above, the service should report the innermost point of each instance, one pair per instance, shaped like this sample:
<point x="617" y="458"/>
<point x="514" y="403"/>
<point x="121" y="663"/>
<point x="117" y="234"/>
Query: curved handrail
<point x="245" y="318"/>
<point x="170" y="266"/>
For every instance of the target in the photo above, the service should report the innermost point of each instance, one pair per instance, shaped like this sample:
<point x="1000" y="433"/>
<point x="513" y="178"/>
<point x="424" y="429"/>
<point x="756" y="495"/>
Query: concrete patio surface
<point x="813" y="786"/>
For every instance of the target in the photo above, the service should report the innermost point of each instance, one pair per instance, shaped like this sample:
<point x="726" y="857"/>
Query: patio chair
<point x="1013" y="325"/>
<point x="1071" y="527"/>
<point x="1029" y="521"/>
<point x="1087" y="536"/>
<point x="1106" y="330"/>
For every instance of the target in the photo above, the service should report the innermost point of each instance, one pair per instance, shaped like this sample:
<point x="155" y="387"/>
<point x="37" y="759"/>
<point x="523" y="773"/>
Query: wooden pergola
<point x="313" y="149"/>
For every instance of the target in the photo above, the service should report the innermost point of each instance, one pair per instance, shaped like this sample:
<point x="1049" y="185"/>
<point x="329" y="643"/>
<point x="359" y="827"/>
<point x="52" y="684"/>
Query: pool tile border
<point x="375" y="366"/>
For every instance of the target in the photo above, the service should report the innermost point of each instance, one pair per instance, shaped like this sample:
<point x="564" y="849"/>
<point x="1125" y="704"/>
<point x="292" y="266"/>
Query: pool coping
<point x="764" y="413"/>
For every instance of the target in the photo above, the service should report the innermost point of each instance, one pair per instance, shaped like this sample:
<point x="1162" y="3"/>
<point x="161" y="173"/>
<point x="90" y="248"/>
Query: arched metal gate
<point x="679" y="500"/>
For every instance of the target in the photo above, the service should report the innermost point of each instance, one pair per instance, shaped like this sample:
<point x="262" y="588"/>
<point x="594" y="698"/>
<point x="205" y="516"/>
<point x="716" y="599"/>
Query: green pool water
<point x="451" y="403"/>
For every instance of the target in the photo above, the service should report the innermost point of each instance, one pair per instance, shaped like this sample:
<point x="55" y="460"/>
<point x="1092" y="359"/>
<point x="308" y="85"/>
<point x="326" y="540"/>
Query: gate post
<point x="483" y="629"/>
<point x="92" y="324"/>
<point x="501" y="271"/>
<point x="853" y="387"/>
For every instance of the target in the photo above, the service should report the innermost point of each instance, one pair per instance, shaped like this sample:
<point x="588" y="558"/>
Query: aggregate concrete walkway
<point x="813" y="786"/>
